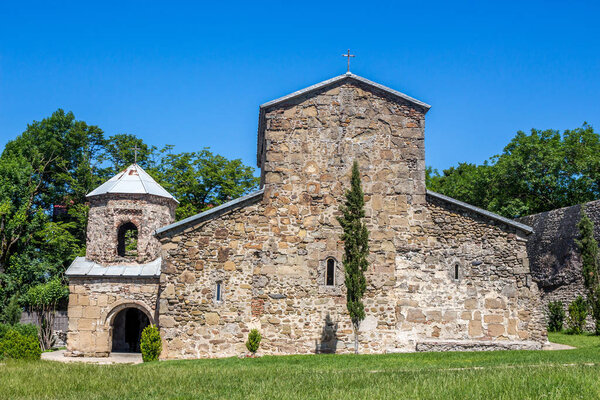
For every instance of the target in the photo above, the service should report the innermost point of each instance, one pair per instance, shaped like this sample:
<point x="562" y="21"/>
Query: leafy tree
<point x="43" y="299"/>
<point x="536" y="172"/>
<point x="50" y="165"/>
<point x="356" y="250"/>
<point x="200" y="180"/>
<point x="46" y="172"/>
<point x="120" y="153"/>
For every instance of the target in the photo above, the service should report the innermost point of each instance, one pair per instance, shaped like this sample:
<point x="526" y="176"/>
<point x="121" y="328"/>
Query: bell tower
<point x="124" y="213"/>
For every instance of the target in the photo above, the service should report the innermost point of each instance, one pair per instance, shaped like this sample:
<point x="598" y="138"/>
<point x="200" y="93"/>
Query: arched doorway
<point x="127" y="329"/>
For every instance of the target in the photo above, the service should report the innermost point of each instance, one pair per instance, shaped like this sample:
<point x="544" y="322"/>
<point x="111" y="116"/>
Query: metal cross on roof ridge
<point x="135" y="151"/>
<point x="348" y="55"/>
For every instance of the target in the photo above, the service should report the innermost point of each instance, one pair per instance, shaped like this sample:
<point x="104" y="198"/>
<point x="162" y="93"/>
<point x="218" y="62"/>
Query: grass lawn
<point x="564" y="374"/>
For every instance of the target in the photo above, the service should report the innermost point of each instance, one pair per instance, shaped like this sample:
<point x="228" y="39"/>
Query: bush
<point x="253" y="342"/>
<point x="21" y="347"/>
<point x="577" y="315"/>
<point x="595" y="304"/>
<point x="12" y="312"/>
<point x="556" y="316"/>
<point x="150" y="344"/>
<point x="23" y="329"/>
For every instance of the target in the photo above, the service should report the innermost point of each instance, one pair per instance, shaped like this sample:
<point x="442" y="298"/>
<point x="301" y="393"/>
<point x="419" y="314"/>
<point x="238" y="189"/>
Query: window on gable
<point x="330" y="272"/>
<point x="456" y="271"/>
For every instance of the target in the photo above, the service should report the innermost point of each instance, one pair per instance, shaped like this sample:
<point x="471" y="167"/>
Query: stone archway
<point x="127" y="327"/>
<point x="125" y="322"/>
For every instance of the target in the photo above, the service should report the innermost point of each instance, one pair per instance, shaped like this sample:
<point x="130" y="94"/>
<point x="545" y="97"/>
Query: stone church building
<point x="443" y="275"/>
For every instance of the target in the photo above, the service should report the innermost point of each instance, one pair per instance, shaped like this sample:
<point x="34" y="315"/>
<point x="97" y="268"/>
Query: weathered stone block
<point x="212" y="318"/>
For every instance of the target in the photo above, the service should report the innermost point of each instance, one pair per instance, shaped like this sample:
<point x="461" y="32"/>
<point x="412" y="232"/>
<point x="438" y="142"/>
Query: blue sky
<point x="193" y="74"/>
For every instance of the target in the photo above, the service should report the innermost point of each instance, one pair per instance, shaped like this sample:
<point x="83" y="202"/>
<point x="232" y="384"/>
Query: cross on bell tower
<point x="135" y="152"/>
<point x="348" y="56"/>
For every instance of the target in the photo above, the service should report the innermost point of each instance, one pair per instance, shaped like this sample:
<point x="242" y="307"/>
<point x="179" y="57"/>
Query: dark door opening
<point x="127" y="330"/>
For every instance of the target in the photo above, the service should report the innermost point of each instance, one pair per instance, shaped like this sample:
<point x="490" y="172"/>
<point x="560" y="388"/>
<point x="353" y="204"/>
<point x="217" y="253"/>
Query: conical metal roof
<point x="133" y="180"/>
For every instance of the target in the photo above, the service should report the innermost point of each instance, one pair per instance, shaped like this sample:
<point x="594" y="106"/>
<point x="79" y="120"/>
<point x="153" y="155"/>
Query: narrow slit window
<point x="218" y="294"/>
<point x="330" y="272"/>
<point x="456" y="272"/>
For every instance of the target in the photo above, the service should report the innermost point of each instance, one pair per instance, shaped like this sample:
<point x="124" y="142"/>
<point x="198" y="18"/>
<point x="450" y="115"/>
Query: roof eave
<point x="90" y="195"/>
<point x="212" y="213"/>
<point x="338" y="78"/>
<point x="481" y="211"/>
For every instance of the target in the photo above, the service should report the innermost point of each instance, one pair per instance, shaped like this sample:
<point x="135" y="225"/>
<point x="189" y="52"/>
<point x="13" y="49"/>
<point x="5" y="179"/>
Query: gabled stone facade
<point x="269" y="255"/>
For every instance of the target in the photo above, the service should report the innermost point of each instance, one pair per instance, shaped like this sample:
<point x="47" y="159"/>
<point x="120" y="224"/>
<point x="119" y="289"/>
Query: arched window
<point x="330" y="272"/>
<point x="127" y="240"/>
<point x="455" y="271"/>
<point x="219" y="292"/>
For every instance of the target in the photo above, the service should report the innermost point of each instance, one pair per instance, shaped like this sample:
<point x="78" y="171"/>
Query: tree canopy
<point x="536" y="172"/>
<point x="46" y="172"/>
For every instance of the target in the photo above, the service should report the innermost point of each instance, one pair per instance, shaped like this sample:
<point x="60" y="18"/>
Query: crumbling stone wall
<point x="108" y="212"/>
<point x="553" y="254"/>
<point x="270" y="256"/>
<point x="93" y="304"/>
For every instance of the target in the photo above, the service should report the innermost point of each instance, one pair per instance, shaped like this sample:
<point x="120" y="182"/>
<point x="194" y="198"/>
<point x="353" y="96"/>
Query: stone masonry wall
<point x="553" y="253"/>
<point x="493" y="298"/>
<point x="270" y="256"/>
<point x="93" y="304"/>
<point x="109" y="212"/>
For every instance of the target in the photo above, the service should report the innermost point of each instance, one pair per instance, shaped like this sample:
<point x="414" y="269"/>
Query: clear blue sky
<point x="193" y="74"/>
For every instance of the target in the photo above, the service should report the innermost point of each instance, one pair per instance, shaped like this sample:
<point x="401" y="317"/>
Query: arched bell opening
<point x="127" y="329"/>
<point x="127" y="240"/>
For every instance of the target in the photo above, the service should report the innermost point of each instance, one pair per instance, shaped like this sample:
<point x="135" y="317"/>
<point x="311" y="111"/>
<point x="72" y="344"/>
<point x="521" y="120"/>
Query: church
<point x="443" y="275"/>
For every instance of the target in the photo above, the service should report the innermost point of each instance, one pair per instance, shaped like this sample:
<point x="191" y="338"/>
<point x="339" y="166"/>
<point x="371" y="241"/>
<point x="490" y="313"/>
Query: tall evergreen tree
<point x="356" y="250"/>
<point x="588" y="248"/>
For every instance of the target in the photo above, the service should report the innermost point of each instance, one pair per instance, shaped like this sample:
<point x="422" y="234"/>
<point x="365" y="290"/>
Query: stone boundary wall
<point x="553" y="254"/>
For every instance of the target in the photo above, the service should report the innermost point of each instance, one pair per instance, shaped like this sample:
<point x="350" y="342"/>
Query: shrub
<point x="17" y="346"/>
<point x="577" y="315"/>
<point x="595" y="305"/>
<point x="253" y="342"/>
<point x="556" y="316"/>
<point x="12" y="312"/>
<point x="150" y="344"/>
<point x="23" y="329"/>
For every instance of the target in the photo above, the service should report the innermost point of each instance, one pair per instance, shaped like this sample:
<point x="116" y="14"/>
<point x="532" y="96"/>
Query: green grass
<point x="564" y="374"/>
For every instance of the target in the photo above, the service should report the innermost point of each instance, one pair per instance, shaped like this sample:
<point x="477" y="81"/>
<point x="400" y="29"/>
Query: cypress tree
<point x="356" y="251"/>
<point x="588" y="248"/>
